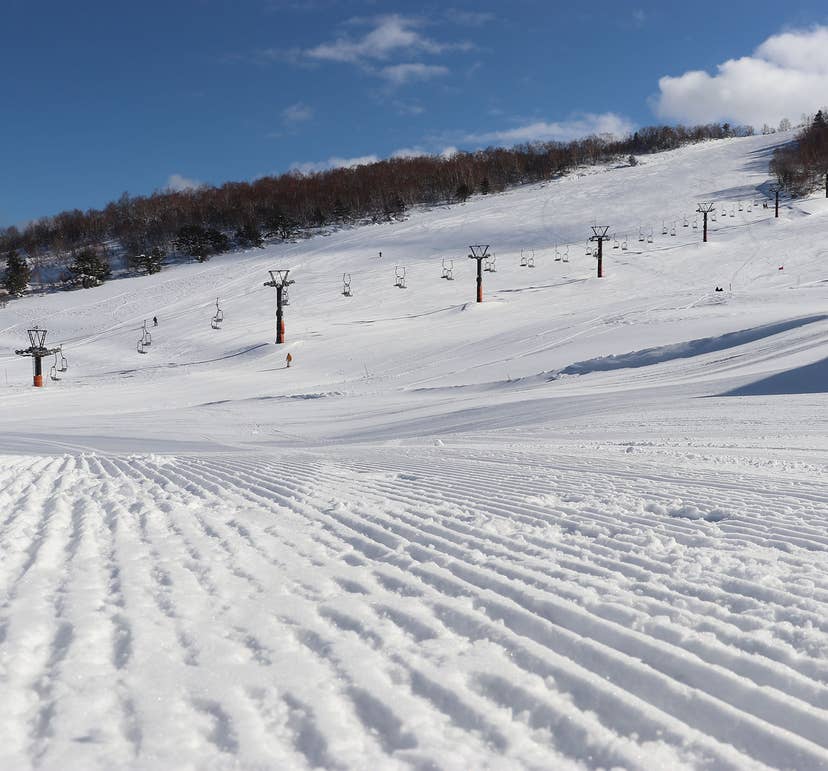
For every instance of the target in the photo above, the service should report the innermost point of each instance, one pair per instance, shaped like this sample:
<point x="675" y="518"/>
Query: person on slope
<point x="288" y="360"/>
<point x="155" y="321"/>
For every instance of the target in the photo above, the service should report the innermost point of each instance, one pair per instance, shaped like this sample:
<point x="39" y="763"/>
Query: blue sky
<point x="105" y="97"/>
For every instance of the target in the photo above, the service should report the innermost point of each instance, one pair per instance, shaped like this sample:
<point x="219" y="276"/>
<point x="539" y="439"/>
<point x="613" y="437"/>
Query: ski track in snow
<point x="407" y="607"/>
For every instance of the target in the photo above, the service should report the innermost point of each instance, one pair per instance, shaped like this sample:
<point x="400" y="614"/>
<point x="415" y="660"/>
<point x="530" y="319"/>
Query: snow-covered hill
<point x="581" y="524"/>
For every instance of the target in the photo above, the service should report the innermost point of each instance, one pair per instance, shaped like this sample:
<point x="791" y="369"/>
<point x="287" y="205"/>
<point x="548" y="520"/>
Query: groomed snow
<point x="581" y="525"/>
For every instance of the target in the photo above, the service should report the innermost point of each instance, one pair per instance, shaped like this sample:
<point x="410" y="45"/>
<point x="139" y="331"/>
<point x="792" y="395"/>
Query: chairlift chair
<point x="685" y="224"/>
<point x="663" y="228"/>
<point x="673" y="230"/>
<point x="650" y="236"/>
<point x="53" y="372"/>
<point x="641" y="234"/>
<point x="62" y="364"/>
<point x="740" y="206"/>
<point x="625" y="244"/>
<point x="615" y="244"/>
<point x="215" y="322"/>
<point x="523" y="261"/>
<point x="588" y="249"/>
<point x="140" y="346"/>
<point x="399" y="273"/>
<point x="566" y="254"/>
<point x="530" y="260"/>
<point x="346" y="285"/>
<point x="448" y="270"/>
<point x="696" y="223"/>
<point x="557" y="254"/>
<point x="489" y="264"/>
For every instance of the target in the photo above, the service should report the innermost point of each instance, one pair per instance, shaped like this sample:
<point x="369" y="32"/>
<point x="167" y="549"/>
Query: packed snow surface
<point x="583" y="524"/>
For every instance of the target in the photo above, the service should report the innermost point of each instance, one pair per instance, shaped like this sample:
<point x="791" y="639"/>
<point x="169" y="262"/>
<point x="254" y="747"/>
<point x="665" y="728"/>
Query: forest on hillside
<point x="145" y="230"/>
<point x="802" y="165"/>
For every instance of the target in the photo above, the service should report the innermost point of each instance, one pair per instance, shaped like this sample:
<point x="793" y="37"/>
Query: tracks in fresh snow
<point x="410" y="607"/>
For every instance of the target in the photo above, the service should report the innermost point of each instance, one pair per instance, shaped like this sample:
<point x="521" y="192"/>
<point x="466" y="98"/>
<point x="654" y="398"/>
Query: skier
<point x="288" y="360"/>
<point x="155" y="321"/>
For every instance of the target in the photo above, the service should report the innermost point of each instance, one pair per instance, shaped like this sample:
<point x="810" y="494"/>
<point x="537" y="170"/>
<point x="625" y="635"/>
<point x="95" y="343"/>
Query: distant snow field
<point x="583" y="524"/>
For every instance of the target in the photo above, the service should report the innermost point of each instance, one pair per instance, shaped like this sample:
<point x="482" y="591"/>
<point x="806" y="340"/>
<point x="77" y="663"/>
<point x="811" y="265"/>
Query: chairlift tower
<point x="776" y="189"/>
<point x="705" y="208"/>
<point x="599" y="234"/>
<point x="479" y="252"/>
<point x="38" y="351"/>
<point x="279" y="280"/>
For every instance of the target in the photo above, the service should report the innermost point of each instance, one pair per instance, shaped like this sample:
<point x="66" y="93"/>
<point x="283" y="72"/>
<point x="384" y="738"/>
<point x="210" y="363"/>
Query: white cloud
<point x="391" y="35"/>
<point x="408" y="108"/>
<point x="399" y="74"/>
<point x="587" y="124"/>
<point x="391" y="47"/>
<point x="334" y="163"/>
<point x="178" y="182"/>
<point x="418" y="152"/>
<point x="787" y="75"/>
<point x="409" y="152"/>
<point x="297" y="113"/>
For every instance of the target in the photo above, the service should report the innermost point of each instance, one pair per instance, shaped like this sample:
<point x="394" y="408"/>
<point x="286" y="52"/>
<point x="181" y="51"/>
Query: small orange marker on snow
<point x="288" y="359"/>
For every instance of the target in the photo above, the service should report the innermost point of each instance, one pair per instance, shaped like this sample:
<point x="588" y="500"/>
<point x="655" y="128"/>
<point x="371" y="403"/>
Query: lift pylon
<point x="38" y="351"/>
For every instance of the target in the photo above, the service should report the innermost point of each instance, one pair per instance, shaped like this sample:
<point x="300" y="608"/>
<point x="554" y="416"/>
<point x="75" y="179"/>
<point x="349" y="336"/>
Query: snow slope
<point x="581" y="525"/>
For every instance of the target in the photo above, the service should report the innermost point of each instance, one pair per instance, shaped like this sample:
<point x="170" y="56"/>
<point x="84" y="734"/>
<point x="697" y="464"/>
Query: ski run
<point x="580" y="525"/>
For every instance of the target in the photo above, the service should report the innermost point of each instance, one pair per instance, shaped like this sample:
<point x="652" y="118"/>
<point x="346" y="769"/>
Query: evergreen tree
<point x="192" y="240"/>
<point x="89" y="267"/>
<point x="279" y="225"/>
<point x="217" y="241"/>
<point x="393" y="207"/>
<point x="150" y="261"/>
<point x="249" y="235"/>
<point x="17" y="273"/>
